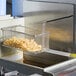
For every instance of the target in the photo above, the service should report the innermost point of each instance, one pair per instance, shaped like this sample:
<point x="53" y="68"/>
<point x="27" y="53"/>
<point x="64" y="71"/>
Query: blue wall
<point x="17" y="7"/>
<point x="2" y="7"/>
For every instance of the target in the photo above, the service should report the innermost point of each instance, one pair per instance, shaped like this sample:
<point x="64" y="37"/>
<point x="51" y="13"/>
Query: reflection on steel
<point x="4" y="73"/>
<point x="59" y="18"/>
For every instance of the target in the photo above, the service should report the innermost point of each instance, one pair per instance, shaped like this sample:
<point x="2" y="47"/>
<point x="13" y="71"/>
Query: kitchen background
<point x="58" y="21"/>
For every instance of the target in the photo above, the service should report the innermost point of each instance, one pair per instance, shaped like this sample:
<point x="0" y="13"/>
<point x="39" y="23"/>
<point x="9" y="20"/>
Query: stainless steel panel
<point x="61" y="31"/>
<point x="60" y="1"/>
<point x="44" y="8"/>
<point x="25" y="69"/>
<point x="67" y="66"/>
<point x="61" y="34"/>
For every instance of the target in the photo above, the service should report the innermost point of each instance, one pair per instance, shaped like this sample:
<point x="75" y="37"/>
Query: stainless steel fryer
<point x="28" y="70"/>
<point x="43" y="62"/>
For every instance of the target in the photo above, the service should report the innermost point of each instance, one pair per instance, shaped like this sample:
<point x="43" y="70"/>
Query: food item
<point x="23" y="44"/>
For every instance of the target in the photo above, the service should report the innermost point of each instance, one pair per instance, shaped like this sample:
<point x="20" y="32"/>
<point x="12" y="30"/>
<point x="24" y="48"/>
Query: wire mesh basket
<point x="33" y="35"/>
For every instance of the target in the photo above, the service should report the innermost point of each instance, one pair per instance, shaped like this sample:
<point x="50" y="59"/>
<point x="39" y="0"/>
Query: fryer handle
<point x="57" y="52"/>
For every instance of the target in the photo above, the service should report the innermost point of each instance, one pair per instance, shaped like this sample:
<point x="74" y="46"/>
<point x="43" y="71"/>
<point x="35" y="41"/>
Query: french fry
<point x="23" y="44"/>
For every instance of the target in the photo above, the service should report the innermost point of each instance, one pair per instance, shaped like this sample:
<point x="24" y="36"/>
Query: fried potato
<point x="23" y="44"/>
